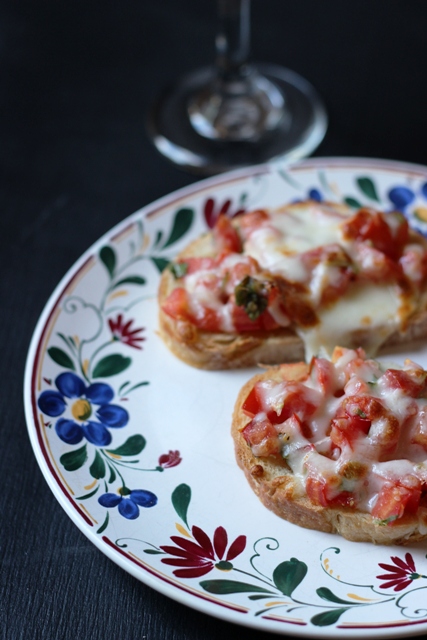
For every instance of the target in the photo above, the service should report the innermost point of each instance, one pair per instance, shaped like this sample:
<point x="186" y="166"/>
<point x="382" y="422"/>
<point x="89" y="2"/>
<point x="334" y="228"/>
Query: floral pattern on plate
<point x="109" y="410"/>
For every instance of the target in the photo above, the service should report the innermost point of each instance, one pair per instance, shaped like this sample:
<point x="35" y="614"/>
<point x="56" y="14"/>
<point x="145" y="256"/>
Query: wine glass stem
<point x="233" y="39"/>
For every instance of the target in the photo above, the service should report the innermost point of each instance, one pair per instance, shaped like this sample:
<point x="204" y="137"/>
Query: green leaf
<point x="223" y="587"/>
<point x="131" y="447"/>
<point x="159" y="236"/>
<point x="326" y="594"/>
<point x="160" y="263"/>
<point x="153" y="552"/>
<point x="368" y="187"/>
<point x="328" y="617"/>
<point x="61" y="358"/>
<point x="181" y="224"/>
<point x="97" y="468"/>
<point x="113" y="475"/>
<point x="352" y="202"/>
<point x="130" y="280"/>
<point x="105" y="524"/>
<point x="111" y="365"/>
<point x="135" y="386"/>
<point x="88" y="495"/>
<point x="122" y="386"/>
<point x="73" y="460"/>
<point x="181" y="497"/>
<point x="108" y="257"/>
<point x="67" y="339"/>
<point x="288" y="575"/>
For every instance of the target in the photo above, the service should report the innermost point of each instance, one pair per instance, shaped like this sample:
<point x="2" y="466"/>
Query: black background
<point x="76" y="81"/>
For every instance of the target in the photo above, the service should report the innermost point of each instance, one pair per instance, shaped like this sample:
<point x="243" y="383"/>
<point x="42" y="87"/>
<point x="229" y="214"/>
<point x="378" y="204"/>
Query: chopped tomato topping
<point x="177" y="305"/>
<point x="353" y="420"/>
<point x="324" y="494"/>
<point x="199" y="264"/>
<point x="367" y="225"/>
<point x="262" y="436"/>
<point x="226" y="235"/>
<point x="253" y="404"/>
<point x="208" y="320"/>
<point x="238" y="271"/>
<point x="242" y="322"/>
<point x="419" y="431"/>
<point x="252" y="220"/>
<point x="412" y="383"/>
<point x="323" y="372"/>
<point x="295" y="404"/>
<point x="394" y="500"/>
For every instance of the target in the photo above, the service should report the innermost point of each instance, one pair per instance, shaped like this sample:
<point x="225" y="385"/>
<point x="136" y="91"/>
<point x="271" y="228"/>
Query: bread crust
<point x="220" y="351"/>
<point x="275" y="485"/>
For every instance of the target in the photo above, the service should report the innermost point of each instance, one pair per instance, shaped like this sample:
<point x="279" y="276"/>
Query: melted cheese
<point x="366" y="463"/>
<point x="336" y="281"/>
<point x="368" y="309"/>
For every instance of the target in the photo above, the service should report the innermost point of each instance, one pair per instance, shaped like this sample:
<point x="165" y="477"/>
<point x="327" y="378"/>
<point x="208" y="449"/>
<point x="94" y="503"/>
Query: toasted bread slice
<point x="228" y="350"/>
<point x="281" y="491"/>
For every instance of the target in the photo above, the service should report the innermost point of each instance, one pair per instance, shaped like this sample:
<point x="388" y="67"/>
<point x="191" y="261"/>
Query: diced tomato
<point x="208" y="320"/>
<point x="419" y="429"/>
<point x="252" y="220"/>
<point x="346" y="430"/>
<point x="372" y="226"/>
<point x="296" y="404"/>
<point x="199" y="264"/>
<point x="374" y="265"/>
<point x="239" y="270"/>
<point x="262" y="435"/>
<point x="323" y="372"/>
<point x="252" y="405"/>
<point x="177" y="305"/>
<point x="242" y="322"/>
<point x="412" y="383"/>
<point x="316" y="491"/>
<point x="226" y="235"/>
<point x="353" y="420"/>
<point x="394" y="500"/>
<point x="339" y="266"/>
<point x="324" y="495"/>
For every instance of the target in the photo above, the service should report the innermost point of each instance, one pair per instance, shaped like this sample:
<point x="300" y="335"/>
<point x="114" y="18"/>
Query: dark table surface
<point x="76" y="80"/>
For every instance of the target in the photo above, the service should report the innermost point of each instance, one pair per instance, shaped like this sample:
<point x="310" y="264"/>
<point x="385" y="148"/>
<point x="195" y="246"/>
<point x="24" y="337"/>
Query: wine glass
<point x="236" y="114"/>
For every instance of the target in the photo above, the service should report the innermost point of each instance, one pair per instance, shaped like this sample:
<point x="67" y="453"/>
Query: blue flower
<point x="128" y="501"/>
<point x="77" y="401"/>
<point x="401" y="197"/>
<point x="315" y="194"/>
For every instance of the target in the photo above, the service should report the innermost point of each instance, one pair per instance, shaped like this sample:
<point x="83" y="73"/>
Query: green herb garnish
<point x="178" y="269"/>
<point x="252" y="295"/>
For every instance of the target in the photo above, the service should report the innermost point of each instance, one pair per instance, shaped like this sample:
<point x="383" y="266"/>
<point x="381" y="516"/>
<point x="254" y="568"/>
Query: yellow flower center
<point x="81" y="410"/>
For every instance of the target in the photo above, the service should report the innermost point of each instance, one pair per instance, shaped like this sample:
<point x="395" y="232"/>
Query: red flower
<point x="168" y="460"/>
<point x="401" y="575"/>
<point x="124" y="333"/>
<point x="212" y="214"/>
<point x="199" y="557"/>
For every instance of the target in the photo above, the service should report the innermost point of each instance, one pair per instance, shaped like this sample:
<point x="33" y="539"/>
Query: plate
<point x="135" y="444"/>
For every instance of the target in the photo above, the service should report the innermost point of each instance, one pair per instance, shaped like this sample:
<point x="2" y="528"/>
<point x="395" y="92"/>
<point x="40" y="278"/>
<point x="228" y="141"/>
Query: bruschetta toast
<point x="338" y="445"/>
<point x="284" y="285"/>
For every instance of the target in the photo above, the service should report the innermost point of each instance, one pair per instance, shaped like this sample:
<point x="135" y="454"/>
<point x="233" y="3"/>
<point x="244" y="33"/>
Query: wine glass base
<point x="301" y="132"/>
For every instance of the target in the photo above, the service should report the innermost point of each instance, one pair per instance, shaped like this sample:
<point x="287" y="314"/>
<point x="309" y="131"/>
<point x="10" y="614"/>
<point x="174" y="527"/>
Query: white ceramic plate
<point x="135" y="444"/>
